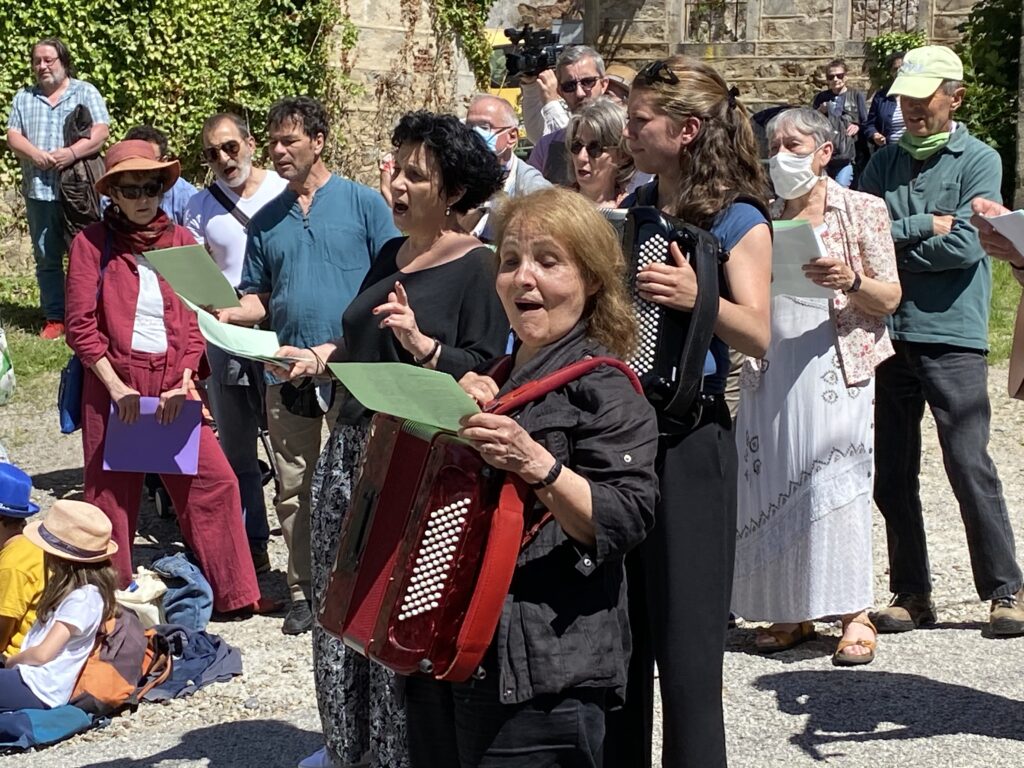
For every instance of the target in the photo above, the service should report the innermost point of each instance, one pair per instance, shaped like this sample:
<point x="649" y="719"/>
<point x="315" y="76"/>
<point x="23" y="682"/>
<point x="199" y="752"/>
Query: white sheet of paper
<point x="795" y="244"/>
<point x="1011" y="226"/>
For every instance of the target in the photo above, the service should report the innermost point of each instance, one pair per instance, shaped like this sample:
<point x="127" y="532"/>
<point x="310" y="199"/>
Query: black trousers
<point x="680" y="586"/>
<point x="464" y="725"/>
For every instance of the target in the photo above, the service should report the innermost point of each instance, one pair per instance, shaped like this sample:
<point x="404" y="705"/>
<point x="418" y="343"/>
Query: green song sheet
<point x="194" y="275"/>
<point x="250" y="343"/>
<point x="407" y="391"/>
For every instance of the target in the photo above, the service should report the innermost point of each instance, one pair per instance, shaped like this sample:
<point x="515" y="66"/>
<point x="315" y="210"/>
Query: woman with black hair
<point x="427" y="300"/>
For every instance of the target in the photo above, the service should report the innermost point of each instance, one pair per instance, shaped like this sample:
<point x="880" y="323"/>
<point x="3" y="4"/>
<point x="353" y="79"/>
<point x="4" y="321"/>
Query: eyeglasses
<point x="485" y="126"/>
<point x="135" y="191"/>
<point x="836" y="75"/>
<point x="230" y="148"/>
<point x="569" y="86"/>
<point x="48" y="61"/>
<point x="594" y="149"/>
<point x="658" y="71"/>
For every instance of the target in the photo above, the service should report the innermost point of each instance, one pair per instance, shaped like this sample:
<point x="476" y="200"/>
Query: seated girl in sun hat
<point x="77" y="599"/>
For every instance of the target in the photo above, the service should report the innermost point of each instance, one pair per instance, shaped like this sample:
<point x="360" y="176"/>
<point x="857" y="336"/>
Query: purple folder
<point x="148" y="446"/>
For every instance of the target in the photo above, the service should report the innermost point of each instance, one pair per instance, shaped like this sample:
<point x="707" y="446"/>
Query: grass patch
<point x="1005" y="296"/>
<point x="22" y="319"/>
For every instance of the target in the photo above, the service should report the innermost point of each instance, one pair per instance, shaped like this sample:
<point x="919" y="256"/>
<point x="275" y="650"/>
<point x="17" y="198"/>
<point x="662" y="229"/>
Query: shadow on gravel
<point x="851" y="705"/>
<point x="232" y="745"/>
<point x="62" y="483"/>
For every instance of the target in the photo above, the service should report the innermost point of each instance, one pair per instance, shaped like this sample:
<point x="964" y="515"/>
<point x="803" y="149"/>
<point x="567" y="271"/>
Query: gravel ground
<point x="947" y="696"/>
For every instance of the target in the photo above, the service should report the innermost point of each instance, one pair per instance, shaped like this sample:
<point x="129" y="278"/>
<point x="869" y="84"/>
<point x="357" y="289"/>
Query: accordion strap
<point x="534" y="390"/>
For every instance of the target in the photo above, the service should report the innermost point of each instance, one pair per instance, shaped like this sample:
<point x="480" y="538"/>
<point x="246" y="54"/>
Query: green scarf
<point x="923" y="147"/>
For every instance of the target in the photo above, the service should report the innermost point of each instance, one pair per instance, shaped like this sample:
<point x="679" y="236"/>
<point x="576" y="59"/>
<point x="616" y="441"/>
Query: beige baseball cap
<point x="924" y="69"/>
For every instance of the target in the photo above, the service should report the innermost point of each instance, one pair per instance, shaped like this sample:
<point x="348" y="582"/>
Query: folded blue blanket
<point x="26" y="728"/>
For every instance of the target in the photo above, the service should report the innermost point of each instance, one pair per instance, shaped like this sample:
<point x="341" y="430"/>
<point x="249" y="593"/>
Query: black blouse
<point x="454" y="302"/>
<point x="564" y="623"/>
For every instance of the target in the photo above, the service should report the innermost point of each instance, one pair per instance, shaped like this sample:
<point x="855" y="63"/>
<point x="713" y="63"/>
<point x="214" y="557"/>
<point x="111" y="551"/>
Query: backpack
<point x="844" y="147"/>
<point x="125" y="663"/>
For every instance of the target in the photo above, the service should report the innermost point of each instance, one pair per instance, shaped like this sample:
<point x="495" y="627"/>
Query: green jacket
<point x="946" y="279"/>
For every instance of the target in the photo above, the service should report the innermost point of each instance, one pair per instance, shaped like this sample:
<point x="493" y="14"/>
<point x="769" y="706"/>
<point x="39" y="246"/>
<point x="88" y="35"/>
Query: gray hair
<point x="606" y="119"/>
<point x="505" y="107"/>
<point x="803" y="120"/>
<point x="950" y="87"/>
<point x="575" y="53"/>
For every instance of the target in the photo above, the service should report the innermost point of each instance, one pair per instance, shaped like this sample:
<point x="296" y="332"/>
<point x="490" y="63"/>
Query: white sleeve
<point x="533" y="107"/>
<point x="556" y="116"/>
<point x="82" y="609"/>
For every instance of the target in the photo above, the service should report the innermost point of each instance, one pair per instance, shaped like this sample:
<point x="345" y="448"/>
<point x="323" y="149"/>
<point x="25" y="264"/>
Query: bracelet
<point x="550" y="477"/>
<point x="856" y="284"/>
<point x="430" y="355"/>
<point x="73" y="153"/>
<point x="320" y="364"/>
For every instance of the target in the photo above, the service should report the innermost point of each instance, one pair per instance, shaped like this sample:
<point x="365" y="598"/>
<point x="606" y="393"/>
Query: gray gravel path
<point x="942" y="697"/>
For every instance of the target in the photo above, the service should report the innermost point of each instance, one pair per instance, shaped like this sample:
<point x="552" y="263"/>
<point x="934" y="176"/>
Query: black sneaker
<point x="1006" y="617"/>
<point x="299" y="618"/>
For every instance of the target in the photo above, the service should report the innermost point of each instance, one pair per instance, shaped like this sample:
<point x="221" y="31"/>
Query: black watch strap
<point x="551" y="476"/>
<point x="856" y="284"/>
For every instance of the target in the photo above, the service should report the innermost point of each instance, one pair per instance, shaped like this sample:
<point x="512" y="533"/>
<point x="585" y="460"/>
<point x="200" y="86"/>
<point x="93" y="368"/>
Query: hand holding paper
<point x="795" y="245"/>
<point x="1001" y="230"/>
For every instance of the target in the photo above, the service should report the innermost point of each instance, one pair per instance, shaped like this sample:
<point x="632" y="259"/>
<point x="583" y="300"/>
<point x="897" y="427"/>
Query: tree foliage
<point x="466" y="20"/>
<point x="172" y="63"/>
<point x="878" y="49"/>
<point x="990" y="51"/>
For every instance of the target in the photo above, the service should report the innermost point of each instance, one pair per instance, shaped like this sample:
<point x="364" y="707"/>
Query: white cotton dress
<point x="805" y="443"/>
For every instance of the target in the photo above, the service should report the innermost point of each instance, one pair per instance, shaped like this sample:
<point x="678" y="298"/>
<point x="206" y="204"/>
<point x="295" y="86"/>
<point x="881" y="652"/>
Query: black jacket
<point x="564" y="623"/>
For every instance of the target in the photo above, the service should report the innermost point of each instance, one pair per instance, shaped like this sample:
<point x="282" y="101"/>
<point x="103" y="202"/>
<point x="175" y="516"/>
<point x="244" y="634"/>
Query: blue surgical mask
<point x="490" y="138"/>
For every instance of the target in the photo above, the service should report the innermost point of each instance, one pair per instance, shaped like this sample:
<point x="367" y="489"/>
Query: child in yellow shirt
<point x="21" y="561"/>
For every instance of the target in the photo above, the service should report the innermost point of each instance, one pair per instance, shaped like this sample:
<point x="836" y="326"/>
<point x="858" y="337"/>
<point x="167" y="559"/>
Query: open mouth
<point x="400" y="208"/>
<point x="528" y="306"/>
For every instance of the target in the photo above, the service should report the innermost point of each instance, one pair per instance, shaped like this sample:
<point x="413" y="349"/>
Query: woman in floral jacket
<point x="805" y="431"/>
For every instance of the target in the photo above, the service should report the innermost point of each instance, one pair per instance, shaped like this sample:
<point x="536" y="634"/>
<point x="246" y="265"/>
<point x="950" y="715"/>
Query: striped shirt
<point x="898" y="124"/>
<point x="42" y="123"/>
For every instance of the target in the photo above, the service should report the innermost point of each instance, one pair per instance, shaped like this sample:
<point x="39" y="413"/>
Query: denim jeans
<point x="46" y="228"/>
<point x="953" y="382"/>
<point x="236" y="388"/>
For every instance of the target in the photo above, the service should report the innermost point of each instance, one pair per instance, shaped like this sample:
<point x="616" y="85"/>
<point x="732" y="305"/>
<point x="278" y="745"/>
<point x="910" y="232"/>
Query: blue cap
<point x="15" y="489"/>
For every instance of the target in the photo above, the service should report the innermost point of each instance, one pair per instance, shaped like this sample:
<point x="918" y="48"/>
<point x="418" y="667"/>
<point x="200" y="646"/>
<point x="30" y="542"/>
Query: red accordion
<point x="430" y="543"/>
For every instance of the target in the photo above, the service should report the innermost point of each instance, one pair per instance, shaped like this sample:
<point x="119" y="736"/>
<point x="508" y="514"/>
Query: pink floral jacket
<point x="858" y="232"/>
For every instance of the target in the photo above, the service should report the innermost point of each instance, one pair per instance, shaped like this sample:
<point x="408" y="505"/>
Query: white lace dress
<point x="805" y="443"/>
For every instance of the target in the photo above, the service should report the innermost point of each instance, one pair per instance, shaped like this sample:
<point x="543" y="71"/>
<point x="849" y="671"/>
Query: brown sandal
<point x="841" y="659"/>
<point x="784" y="639"/>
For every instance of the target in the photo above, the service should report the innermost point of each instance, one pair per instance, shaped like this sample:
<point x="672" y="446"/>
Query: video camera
<point x="533" y="51"/>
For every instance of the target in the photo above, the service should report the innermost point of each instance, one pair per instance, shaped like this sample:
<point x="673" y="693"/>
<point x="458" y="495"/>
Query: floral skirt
<point x="361" y="714"/>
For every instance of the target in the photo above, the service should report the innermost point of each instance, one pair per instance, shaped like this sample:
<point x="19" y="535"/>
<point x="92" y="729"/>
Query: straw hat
<point x="135" y="155"/>
<point x="15" y="489"/>
<point x="621" y="74"/>
<point x="73" y="530"/>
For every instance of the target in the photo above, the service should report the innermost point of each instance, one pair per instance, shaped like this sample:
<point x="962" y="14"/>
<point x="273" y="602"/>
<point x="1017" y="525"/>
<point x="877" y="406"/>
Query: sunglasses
<point x="135" y="191"/>
<point x="837" y="76"/>
<point x="230" y="148"/>
<point x="594" y="149"/>
<point x="569" y="86"/>
<point x="658" y="72"/>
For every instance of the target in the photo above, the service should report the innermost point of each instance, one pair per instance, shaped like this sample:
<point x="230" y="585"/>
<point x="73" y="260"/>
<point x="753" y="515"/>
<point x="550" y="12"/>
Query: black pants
<point x="680" y="586"/>
<point x="464" y="725"/>
<point x="953" y="381"/>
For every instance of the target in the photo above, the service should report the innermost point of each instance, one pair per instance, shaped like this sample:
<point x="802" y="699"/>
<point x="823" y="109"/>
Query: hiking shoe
<point x="907" y="611"/>
<point x="52" y="330"/>
<point x="299" y="618"/>
<point x="1006" y="617"/>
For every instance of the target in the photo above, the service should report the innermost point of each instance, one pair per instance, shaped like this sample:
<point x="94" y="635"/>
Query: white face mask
<point x="792" y="174"/>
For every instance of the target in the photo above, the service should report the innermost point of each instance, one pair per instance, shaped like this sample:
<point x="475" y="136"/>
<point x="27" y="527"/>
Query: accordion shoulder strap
<point x="534" y="390"/>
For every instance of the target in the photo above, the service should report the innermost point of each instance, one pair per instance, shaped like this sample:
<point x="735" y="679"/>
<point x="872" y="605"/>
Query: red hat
<point x="135" y="155"/>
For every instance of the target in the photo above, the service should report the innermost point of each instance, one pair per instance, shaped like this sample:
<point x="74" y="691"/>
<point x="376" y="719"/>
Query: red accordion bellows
<point x="430" y="543"/>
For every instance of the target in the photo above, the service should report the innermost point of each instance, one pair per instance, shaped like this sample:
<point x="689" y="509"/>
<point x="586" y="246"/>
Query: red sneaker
<point x="52" y="331"/>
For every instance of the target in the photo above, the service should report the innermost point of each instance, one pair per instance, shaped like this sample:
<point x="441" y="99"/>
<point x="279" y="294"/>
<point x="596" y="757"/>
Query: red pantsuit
<point x="208" y="504"/>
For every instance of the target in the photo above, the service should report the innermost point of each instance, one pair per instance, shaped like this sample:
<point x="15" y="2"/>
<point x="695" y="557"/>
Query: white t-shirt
<point x="211" y="225"/>
<point x="149" y="334"/>
<point x="53" y="682"/>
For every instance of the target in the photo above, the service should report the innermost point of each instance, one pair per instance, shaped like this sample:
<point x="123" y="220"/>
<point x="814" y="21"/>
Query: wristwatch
<point x="856" y="284"/>
<point x="550" y="477"/>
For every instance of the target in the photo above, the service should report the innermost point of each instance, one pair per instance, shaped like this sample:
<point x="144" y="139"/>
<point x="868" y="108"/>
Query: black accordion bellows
<point x="672" y="345"/>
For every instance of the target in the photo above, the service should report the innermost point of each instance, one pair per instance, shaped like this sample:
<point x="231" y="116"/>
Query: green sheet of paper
<point x="194" y="275"/>
<point x="250" y="343"/>
<point x="407" y="391"/>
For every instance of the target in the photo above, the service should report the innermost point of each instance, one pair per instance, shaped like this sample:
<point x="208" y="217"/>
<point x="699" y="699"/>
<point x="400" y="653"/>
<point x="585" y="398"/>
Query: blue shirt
<point x="313" y="264"/>
<point x="37" y="120"/>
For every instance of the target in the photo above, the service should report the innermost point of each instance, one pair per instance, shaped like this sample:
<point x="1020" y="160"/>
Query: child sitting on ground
<point x="21" y="561"/>
<point x="77" y="600"/>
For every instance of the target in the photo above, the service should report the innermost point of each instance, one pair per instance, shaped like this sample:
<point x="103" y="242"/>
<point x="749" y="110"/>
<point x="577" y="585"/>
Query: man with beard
<point x="218" y="217"/>
<point x="307" y="253"/>
<point x="35" y="133"/>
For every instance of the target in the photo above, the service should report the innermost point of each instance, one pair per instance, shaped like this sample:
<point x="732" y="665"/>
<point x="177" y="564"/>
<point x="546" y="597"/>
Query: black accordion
<point x="672" y="345"/>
